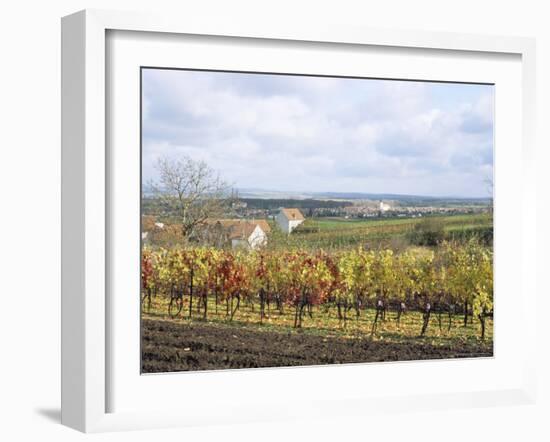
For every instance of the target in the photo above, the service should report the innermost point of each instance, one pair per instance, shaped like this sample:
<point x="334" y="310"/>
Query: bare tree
<point x="191" y="191"/>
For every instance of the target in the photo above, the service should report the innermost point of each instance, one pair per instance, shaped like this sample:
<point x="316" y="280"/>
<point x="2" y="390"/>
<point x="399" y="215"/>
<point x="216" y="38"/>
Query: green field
<point x="341" y="223"/>
<point x="340" y="233"/>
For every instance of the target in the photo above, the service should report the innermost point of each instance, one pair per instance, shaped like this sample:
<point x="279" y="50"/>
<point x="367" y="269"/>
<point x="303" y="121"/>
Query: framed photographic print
<point x="249" y="212"/>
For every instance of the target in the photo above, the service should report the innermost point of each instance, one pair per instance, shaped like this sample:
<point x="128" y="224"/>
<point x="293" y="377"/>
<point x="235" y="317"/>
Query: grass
<point x="340" y="233"/>
<point x="327" y="224"/>
<point x="326" y="323"/>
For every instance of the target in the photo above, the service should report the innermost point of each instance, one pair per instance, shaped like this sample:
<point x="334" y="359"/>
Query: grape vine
<point x="454" y="278"/>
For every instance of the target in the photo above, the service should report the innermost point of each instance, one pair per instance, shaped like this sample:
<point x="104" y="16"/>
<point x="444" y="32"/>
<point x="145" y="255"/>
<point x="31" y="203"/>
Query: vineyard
<point x="350" y="286"/>
<point x="334" y="234"/>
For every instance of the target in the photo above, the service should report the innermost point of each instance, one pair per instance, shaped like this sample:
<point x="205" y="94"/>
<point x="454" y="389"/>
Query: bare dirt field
<point x="174" y="346"/>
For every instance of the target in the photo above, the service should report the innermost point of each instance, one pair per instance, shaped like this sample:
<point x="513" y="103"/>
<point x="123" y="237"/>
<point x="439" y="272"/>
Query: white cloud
<point x="324" y="134"/>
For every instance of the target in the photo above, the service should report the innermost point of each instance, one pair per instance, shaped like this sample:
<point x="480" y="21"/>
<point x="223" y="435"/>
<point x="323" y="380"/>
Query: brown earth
<point x="170" y="346"/>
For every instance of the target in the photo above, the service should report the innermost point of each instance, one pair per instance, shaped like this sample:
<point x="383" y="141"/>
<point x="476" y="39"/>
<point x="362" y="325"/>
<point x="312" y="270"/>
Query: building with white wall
<point x="247" y="235"/>
<point x="242" y="233"/>
<point x="384" y="207"/>
<point x="289" y="219"/>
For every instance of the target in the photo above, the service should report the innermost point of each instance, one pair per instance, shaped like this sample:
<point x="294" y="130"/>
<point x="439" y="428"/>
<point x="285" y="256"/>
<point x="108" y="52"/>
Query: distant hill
<point x="353" y="196"/>
<point x="302" y="203"/>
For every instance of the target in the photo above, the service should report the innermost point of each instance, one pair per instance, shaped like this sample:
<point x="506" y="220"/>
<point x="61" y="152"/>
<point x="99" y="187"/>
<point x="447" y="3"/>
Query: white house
<point x="289" y="219"/>
<point x="247" y="234"/>
<point x="384" y="207"/>
<point x="243" y="233"/>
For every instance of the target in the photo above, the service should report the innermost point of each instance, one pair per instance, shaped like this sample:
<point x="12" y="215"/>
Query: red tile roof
<point x="293" y="214"/>
<point x="240" y="228"/>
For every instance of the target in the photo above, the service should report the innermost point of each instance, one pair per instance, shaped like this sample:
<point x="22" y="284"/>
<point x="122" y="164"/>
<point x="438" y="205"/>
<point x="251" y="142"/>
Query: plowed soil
<point x="172" y="346"/>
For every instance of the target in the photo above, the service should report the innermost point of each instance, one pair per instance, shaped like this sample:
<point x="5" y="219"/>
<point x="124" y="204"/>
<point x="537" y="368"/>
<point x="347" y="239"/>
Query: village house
<point x="289" y="219"/>
<point x="244" y="233"/>
<point x="160" y="233"/>
<point x="247" y="235"/>
<point x="239" y="233"/>
<point x="384" y="207"/>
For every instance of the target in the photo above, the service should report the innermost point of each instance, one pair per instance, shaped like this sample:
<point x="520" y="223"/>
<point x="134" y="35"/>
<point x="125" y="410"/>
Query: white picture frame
<point x="86" y="356"/>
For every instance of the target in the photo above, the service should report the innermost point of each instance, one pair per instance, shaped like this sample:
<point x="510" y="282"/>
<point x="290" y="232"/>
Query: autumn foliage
<point x="454" y="278"/>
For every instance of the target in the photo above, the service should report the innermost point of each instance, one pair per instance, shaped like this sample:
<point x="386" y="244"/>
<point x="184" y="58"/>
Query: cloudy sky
<point x="313" y="134"/>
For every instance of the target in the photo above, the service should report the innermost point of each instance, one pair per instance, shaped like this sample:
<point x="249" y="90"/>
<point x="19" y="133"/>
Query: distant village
<point x="387" y="209"/>
<point x="250" y="227"/>
<point x="366" y="209"/>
